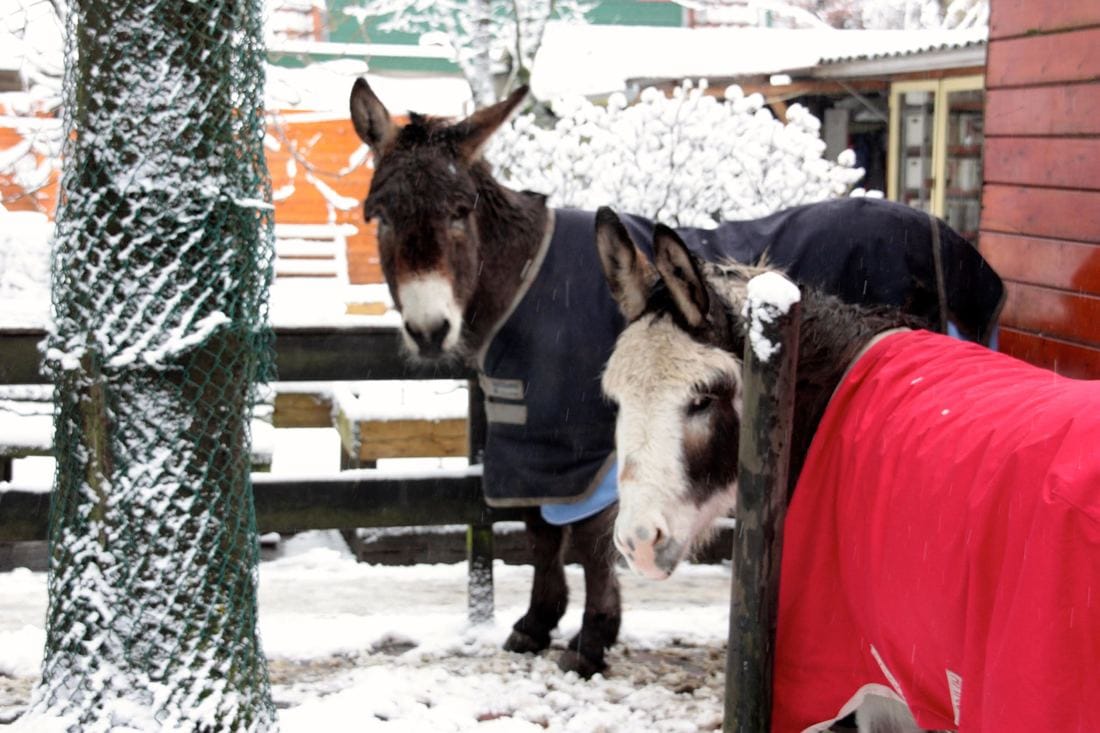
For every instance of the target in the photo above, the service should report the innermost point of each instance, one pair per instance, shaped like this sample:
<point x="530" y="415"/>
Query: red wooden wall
<point x="323" y="148"/>
<point x="1041" y="200"/>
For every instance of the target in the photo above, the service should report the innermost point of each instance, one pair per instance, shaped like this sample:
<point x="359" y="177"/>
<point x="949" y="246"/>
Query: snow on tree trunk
<point x="480" y="66"/>
<point x="162" y="261"/>
<point x="685" y="160"/>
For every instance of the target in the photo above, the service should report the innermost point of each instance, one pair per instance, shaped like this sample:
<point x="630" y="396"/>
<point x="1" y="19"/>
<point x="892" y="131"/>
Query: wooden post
<point x="763" y="456"/>
<point x="479" y="552"/>
<point x="479" y="537"/>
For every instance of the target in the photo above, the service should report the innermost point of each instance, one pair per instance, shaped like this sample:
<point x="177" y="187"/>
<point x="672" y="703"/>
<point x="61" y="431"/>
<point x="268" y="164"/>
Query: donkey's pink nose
<point x="650" y="549"/>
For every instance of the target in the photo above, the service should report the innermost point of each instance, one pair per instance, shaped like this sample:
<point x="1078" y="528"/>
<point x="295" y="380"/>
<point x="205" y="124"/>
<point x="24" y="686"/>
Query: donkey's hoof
<point x="572" y="661"/>
<point x="521" y="643"/>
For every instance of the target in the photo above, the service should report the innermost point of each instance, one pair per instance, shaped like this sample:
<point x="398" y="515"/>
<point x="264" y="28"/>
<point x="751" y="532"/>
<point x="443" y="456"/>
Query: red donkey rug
<point x="943" y="546"/>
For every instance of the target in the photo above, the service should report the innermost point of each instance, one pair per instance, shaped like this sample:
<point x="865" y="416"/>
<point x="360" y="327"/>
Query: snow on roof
<point x="324" y="88"/>
<point x="908" y="43"/>
<point x="598" y="59"/>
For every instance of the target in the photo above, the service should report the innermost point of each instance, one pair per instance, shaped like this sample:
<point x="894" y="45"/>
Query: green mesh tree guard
<point x="161" y="270"/>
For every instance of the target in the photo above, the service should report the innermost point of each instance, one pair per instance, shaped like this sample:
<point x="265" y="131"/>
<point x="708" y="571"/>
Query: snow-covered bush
<point x="686" y="160"/>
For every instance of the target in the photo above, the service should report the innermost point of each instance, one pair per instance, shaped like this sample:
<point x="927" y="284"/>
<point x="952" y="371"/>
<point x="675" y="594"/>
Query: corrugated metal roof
<point x="913" y="43"/>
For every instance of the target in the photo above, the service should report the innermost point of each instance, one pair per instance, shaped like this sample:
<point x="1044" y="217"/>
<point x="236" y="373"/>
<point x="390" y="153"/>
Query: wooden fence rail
<point x="344" y="501"/>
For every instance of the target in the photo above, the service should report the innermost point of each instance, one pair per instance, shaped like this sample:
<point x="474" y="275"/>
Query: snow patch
<point x="770" y="295"/>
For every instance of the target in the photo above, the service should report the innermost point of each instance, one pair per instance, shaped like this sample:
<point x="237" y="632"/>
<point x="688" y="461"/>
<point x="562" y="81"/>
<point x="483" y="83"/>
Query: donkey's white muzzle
<point x="432" y="318"/>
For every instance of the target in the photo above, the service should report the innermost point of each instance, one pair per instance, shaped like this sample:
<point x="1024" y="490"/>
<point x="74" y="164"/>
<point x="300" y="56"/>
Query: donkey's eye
<point x="700" y="404"/>
<point x="459" y="222"/>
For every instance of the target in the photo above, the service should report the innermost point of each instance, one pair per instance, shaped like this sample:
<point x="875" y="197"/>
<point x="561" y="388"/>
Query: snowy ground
<point x="355" y="647"/>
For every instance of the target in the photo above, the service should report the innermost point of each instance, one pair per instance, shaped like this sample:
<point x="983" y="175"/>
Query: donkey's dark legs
<point x="549" y="593"/>
<point x="592" y="540"/>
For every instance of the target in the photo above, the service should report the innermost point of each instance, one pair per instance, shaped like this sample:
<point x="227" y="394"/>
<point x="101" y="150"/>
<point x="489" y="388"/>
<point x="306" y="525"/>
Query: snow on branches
<point x="685" y="160"/>
<point x="489" y="36"/>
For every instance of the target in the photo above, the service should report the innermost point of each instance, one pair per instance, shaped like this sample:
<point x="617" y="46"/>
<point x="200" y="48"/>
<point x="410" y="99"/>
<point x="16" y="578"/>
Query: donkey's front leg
<point x="602" y="601"/>
<point x="549" y="593"/>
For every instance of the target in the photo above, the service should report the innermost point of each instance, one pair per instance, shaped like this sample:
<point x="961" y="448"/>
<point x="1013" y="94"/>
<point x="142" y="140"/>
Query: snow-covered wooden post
<point x="771" y="353"/>
<point x="162" y="262"/>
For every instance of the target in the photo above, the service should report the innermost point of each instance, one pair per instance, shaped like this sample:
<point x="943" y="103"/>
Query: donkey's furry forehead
<point x="412" y="180"/>
<point x="654" y="356"/>
<point x="423" y="130"/>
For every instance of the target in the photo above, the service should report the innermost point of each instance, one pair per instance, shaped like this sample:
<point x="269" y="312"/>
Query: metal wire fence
<point x="161" y="268"/>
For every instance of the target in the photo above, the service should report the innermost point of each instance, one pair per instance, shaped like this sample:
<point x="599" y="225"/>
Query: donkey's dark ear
<point x="478" y="127"/>
<point x="628" y="272"/>
<point x="371" y="119"/>
<point x="682" y="275"/>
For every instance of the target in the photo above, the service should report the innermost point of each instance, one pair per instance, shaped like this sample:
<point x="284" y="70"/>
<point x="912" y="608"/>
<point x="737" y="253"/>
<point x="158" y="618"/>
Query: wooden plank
<point x="359" y="353"/>
<point x="24" y="515"/>
<point x="370" y="440"/>
<point x="302" y="410"/>
<point x="1072" y="109"/>
<point x="369" y="499"/>
<point x="1042" y="212"/>
<point x="306" y="354"/>
<point x="1044" y="59"/>
<point x="1068" y="316"/>
<point x="412" y="438"/>
<point x="365" y="499"/>
<point x="19" y="357"/>
<point x="1051" y="262"/>
<point x="1067" y="359"/>
<point x="1043" y="161"/>
<point x="1024" y="17"/>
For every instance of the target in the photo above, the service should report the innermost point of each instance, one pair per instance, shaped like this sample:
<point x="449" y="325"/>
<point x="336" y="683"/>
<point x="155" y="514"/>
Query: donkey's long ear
<point x="681" y="272"/>
<point x="372" y="121"/>
<point x="476" y="129"/>
<point x="628" y="272"/>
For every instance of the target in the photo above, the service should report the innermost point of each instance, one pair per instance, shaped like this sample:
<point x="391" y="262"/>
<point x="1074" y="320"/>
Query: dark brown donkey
<point x="455" y="246"/>
<point x="495" y="277"/>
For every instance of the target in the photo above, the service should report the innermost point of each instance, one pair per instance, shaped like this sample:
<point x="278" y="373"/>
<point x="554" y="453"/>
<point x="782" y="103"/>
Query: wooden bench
<point x="310" y="254"/>
<point x="312" y="251"/>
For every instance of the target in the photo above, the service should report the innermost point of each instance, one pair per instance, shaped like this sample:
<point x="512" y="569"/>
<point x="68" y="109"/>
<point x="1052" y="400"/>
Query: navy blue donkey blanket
<point x="551" y="433"/>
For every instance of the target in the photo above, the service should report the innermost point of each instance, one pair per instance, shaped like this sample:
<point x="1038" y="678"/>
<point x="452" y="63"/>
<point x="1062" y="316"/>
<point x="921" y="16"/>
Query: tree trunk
<point x="481" y="74"/>
<point x="161" y="266"/>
